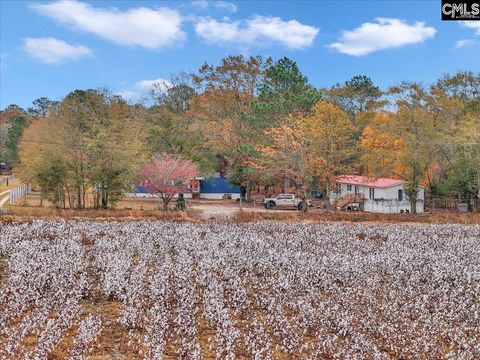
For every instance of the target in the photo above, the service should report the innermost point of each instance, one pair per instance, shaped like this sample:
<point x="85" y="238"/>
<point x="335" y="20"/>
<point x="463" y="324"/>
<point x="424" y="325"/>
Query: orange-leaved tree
<point x="223" y="113"/>
<point x="381" y="148"/>
<point x="289" y="155"/>
<point x="332" y="141"/>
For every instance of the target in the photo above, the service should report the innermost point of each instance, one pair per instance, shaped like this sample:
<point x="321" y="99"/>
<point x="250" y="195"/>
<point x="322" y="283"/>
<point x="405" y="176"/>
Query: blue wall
<point x="209" y="186"/>
<point x="140" y="189"/>
<point x="218" y="185"/>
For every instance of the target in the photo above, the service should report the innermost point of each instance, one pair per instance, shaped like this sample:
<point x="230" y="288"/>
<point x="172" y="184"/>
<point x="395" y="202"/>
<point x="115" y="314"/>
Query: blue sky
<point x="51" y="48"/>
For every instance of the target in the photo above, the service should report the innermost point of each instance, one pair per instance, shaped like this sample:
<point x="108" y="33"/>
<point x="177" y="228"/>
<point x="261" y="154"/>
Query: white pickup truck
<point x="285" y="201"/>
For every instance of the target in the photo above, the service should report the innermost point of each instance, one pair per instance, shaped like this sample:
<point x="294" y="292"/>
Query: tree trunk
<point x="79" y="197"/>
<point x="166" y="201"/>
<point x="412" y="193"/>
<point x="248" y="192"/>
<point x="95" y="197"/>
<point x="286" y="182"/>
<point x="243" y="191"/>
<point x="327" y="191"/>
<point x="104" y="194"/>
<point x="104" y="200"/>
<point x="413" y="203"/>
<point x="69" y="197"/>
<point x="58" y="198"/>
<point x="304" y="200"/>
<point x="84" y="193"/>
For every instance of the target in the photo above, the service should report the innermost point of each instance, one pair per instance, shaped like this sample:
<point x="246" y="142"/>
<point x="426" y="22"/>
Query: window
<point x="400" y="194"/>
<point x="349" y="187"/>
<point x="356" y="190"/>
<point x="371" y="193"/>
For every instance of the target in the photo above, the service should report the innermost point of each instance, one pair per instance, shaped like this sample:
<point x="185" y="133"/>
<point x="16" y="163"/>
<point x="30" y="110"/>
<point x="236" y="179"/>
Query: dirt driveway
<point x="223" y="210"/>
<point x="208" y="208"/>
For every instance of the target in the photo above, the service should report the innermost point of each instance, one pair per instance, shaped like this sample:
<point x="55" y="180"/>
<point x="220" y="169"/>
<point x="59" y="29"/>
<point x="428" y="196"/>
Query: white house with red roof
<point x="381" y="195"/>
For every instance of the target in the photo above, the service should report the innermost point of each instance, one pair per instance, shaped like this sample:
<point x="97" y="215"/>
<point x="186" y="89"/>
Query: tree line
<point x="259" y="122"/>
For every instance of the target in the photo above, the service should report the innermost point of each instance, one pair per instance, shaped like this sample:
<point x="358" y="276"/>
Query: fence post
<point x="18" y="192"/>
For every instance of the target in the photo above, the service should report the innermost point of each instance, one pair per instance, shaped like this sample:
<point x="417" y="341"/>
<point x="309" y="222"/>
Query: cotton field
<point x="266" y="290"/>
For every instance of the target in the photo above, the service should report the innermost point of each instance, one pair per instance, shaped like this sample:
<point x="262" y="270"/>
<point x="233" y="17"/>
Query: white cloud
<point x="222" y="5"/>
<point x="383" y="34"/>
<point x="140" y="26"/>
<point x="54" y="51"/>
<point x="225" y="5"/>
<point x="224" y="31"/>
<point x="160" y="85"/>
<point x="156" y="86"/>
<point x="201" y="4"/>
<point x="259" y="29"/>
<point x="127" y="95"/>
<point x="475" y="25"/>
<point x="464" y="42"/>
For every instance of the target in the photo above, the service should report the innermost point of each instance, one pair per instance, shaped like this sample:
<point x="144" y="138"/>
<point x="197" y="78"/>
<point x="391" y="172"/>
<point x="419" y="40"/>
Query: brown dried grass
<point x="30" y="213"/>
<point x="359" y="217"/>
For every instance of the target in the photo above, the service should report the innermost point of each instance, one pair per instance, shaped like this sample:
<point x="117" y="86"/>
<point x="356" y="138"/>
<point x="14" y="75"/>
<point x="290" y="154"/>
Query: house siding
<point x="218" y="196"/>
<point x="385" y="201"/>
<point x="215" y="188"/>
<point x="218" y="185"/>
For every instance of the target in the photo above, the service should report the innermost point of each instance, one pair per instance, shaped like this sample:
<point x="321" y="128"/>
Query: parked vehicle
<point x="285" y="201"/>
<point x="5" y="169"/>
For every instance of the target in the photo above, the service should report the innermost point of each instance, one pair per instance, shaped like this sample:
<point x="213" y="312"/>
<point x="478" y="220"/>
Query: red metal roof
<point x="365" y="181"/>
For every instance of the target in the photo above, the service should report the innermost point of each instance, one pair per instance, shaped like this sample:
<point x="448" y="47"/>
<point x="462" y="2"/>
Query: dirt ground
<point x="212" y="206"/>
<point x="200" y="205"/>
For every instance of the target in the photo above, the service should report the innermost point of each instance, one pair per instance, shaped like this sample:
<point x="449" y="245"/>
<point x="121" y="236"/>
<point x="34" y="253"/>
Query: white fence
<point x="19" y="192"/>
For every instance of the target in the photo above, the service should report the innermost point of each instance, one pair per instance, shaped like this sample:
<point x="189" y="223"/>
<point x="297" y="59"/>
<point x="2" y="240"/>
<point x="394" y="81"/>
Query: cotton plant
<point x="307" y="291"/>
<point x="89" y="330"/>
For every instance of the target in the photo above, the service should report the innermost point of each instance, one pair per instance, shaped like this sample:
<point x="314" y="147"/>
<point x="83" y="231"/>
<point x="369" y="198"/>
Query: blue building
<point x="204" y="188"/>
<point x="218" y="188"/>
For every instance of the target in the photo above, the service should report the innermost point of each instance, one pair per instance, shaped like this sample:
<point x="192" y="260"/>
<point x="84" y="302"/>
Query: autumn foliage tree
<point x="88" y="145"/>
<point x="416" y="122"/>
<point x="359" y="98"/>
<point x="223" y="111"/>
<point x="332" y="141"/>
<point x="458" y="164"/>
<point x="381" y="148"/>
<point x="283" y="96"/>
<point x="167" y="175"/>
<point x="308" y="148"/>
<point x="288" y="157"/>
